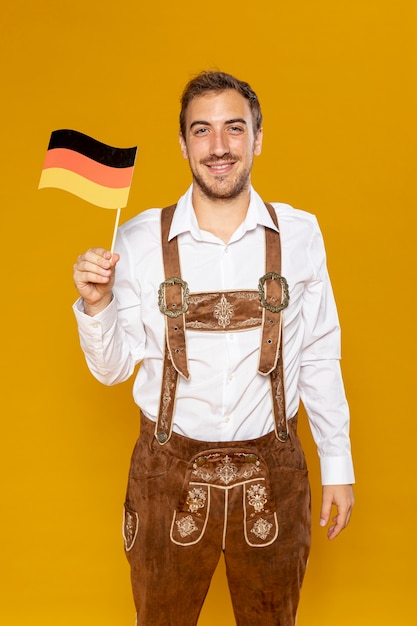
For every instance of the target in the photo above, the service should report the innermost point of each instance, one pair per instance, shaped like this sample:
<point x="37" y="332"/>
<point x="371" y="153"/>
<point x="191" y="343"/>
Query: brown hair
<point x="209" y="81"/>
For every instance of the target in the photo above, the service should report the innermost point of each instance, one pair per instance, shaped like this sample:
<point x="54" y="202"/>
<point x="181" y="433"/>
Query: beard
<point x="222" y="187"/>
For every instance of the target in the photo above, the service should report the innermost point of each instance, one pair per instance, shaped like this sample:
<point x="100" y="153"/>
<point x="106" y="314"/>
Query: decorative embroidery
<point x="130" y="528"/>
<point x="186" y="526"/>
<point x="250" y="472"/>
<point x="198" y="298"/>
<point x="247" y="295"/>
<point x="261" y="528"/>
<point x="168" y="388"/>
<point x="249" y="323"/>
<point x="196" y="499"/>
<point x="223" y="312"/>
<point x="231" y="310"/>
<point x="279" y="394"/>
<point x="200" y="473"/>
<point x="257" y="497"/>
<point x="226" y="470"/>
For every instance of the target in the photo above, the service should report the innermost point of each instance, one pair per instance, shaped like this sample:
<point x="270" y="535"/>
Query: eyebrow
<point x="232" y="121"/>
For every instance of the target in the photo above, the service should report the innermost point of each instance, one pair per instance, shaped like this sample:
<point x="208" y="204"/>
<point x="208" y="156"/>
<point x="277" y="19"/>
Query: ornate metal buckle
<point x="285" y="292"/>
<point x="173" y="280"/>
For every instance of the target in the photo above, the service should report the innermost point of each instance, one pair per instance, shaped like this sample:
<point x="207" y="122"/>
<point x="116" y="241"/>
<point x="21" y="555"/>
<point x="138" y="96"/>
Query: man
<point x="226" y="302"/>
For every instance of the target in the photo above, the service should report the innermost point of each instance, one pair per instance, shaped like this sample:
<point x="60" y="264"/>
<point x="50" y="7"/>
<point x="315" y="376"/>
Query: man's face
<point x="220" y="143"/>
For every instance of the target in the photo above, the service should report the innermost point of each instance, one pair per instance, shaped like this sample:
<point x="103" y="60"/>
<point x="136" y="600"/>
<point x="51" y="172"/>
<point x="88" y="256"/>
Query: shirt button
<point x="227" y="420"/>
<point x="95" y="325"/>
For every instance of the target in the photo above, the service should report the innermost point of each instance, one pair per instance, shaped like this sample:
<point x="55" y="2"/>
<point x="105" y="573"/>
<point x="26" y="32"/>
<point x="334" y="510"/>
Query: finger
<point x="335" y="530"/>
<point x="103" y="257"/>
<point x="94" y="267"/>
<point x="83" y="276"/>
<point x="96" y="256"/>
<point x="326" y="508"/>
<point x="341" y="520"/>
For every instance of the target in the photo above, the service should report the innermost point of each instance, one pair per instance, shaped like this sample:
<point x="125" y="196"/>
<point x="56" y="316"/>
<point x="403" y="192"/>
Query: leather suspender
<point x="261" y="308"/>
<point x="173" y="295"/>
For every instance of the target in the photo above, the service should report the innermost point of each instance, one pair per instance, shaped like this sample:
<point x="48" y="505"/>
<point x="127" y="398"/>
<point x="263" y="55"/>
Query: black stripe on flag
<point x="93" y="149"/>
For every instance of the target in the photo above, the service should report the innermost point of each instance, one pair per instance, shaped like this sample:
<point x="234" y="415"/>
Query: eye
<point x="236" y="130"/>
<point x="201" y="131"/>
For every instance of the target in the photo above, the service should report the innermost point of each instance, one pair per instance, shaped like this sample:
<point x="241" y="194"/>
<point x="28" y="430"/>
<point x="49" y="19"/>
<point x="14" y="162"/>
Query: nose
<point x="219" y="144"/>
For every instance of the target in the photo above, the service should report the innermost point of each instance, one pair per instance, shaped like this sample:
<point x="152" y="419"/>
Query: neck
<point x="221" y="217"/>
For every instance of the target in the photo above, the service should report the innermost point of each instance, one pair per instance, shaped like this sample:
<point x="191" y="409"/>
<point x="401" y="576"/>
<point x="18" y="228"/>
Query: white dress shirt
<point x="226" y="399"/>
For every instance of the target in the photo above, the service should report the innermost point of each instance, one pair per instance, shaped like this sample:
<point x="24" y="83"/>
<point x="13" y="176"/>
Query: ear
<point x="257" y="148"/>
<point x="183" y="146"/>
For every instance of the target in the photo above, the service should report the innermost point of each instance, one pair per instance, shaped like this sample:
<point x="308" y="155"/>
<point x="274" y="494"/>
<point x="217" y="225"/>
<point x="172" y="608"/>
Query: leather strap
<point x="174" y="296"/>
<point x="273" y="296"/>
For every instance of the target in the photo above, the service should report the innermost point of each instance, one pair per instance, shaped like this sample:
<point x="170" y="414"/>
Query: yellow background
<point x="337" y="81"/>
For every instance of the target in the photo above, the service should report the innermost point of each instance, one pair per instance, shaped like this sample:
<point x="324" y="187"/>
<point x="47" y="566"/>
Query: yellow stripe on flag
<point x="105" y="197"/>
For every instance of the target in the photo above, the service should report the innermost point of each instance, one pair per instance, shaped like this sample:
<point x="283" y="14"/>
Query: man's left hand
<point x="341" y="496"/>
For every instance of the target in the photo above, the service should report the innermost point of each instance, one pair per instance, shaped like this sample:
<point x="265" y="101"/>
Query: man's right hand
<point x="94" y="278"/>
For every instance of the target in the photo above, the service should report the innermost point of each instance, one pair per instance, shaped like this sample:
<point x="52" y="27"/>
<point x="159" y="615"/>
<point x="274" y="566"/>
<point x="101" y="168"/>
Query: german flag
<point x="89" y="169"/>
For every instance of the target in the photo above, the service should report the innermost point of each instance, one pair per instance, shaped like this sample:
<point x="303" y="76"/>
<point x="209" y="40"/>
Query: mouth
<point x="220" y="167"/>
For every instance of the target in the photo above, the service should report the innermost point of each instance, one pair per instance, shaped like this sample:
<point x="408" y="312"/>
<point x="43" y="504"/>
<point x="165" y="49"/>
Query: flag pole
<point x="116" y="225"/>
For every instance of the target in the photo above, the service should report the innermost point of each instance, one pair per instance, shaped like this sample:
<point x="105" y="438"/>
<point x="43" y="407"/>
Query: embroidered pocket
<point x="260" y="518"/>
<point x="130" y="527"/>
<point x="190" y="520"/>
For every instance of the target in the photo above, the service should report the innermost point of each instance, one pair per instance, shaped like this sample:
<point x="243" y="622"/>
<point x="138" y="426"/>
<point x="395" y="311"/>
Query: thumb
<point x="112" y="257"/>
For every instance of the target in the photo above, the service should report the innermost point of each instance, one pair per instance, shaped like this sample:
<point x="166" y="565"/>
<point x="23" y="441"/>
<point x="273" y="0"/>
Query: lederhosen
<point x="188" y="500"/>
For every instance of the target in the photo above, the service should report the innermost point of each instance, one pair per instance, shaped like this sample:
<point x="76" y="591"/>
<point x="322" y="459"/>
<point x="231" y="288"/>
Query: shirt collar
<point x="185" y="220"/>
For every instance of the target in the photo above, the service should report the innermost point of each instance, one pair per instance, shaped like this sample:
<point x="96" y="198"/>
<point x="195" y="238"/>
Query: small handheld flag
<point x="89" y="169"/>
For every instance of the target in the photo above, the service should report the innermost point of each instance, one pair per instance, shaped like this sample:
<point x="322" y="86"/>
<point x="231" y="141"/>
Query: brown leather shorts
<point x="188" y="501"/>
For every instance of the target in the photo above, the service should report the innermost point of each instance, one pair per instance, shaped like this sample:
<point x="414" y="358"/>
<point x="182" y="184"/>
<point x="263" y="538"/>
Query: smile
<point x="220" y="168"/>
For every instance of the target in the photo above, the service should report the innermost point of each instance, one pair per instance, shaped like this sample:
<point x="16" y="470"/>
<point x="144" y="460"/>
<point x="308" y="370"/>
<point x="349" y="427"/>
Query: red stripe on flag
<point x="112" y="177"/>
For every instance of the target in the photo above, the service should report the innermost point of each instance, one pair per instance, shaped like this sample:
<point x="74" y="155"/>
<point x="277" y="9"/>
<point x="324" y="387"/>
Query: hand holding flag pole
<point x="89" y="169"/>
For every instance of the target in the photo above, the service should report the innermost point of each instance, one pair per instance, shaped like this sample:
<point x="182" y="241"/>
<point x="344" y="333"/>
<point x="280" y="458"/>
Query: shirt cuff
<point x="337" y="470"/>
<point x="103" y="320"/>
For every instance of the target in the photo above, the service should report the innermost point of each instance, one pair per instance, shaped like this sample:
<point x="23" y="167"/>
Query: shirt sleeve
<point x="320" y="384"/>
<point x="113" y="341"/>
